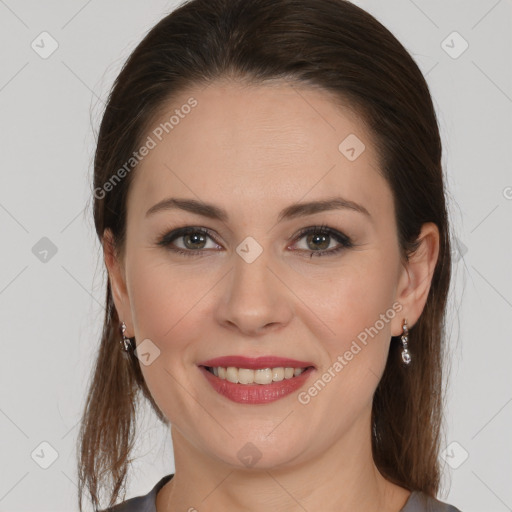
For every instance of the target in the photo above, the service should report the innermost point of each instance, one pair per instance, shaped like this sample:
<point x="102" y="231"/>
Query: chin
<point x="260" y="453"/>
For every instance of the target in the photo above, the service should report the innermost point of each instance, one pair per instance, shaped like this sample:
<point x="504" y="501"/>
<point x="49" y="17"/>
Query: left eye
<point x="321" y="237"/>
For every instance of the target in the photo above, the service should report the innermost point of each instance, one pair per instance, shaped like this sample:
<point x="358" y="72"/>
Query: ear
<point x="416" y="277"/>
<point x="117" y="279"/>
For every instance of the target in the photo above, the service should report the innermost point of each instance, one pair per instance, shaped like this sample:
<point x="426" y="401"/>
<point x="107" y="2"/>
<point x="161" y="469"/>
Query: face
<point x="266" y="279"/>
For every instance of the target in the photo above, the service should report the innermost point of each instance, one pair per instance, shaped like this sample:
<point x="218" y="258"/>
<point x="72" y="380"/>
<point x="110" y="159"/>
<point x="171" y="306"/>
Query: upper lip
<point x="255" y="363"/>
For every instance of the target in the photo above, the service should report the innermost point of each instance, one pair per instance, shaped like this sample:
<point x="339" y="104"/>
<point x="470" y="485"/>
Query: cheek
<point x="354" y="303"/>
<point x="167" y="309"/>
<point x="171" y="306"/>
<point x="163" y="295"/>
<point x="358" y="288"/>
<point x="358" y="309"/>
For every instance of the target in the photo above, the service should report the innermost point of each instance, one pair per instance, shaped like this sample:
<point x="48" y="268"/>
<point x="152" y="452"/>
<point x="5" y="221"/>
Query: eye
<point x="320" y="238"/>
<point x="193" y="240"/>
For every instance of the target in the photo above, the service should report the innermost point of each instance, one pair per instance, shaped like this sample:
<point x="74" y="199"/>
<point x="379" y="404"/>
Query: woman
<point x="240" y="140"/>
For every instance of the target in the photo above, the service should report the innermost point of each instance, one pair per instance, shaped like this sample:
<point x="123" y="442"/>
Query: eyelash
<point x="167" y="239"/>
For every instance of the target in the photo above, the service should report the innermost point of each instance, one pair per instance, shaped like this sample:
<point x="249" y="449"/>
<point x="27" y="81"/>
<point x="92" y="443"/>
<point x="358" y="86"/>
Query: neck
<point x="341" y="478"/>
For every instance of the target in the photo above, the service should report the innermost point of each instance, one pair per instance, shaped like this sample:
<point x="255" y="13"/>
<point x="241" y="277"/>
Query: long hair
<point x="340" y="48"/>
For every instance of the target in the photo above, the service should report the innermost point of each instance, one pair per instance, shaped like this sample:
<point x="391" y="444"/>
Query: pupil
<point x="196" y="239"/>
<point x="319" y="239"/>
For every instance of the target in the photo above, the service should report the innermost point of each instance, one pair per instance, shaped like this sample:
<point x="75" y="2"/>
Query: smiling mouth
<point x="260" y="376"/>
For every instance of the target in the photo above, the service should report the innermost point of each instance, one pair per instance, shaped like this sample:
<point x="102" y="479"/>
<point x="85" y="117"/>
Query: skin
<point x="254" y="150"/>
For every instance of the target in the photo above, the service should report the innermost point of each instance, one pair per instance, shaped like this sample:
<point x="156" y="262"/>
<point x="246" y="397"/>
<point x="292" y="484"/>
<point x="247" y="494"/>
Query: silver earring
<point x="126" y="343"/>
<point x="406" y="356"/>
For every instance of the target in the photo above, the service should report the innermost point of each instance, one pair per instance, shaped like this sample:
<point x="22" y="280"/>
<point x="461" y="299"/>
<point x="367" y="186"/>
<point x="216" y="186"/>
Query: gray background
<point x="51" y="304"/>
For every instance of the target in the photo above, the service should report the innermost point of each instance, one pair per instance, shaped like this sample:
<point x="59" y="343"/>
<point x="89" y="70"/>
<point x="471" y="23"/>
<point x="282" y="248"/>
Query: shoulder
<point x="421" y="502"/>
<point x="145" y="503"/>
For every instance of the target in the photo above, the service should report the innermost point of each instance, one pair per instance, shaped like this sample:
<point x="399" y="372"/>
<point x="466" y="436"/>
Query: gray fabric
<point x="421" y="502"/>
<point x="417" y="502"/>
<point x="146" y="503"/>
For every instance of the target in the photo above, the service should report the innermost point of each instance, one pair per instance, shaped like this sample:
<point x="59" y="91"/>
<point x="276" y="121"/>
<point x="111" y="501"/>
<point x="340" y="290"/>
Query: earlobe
<point x="116" y="277"/>
<point x="417" y="274"/>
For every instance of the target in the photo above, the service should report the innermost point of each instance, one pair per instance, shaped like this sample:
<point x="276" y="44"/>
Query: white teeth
<point x="260" y="376"/>
<point x="263" y="376"/>
<point x="277" y="374"/>
<point x="245" y="376"/>
<point x="232" y="374"/>
<point x="288" y="373"/>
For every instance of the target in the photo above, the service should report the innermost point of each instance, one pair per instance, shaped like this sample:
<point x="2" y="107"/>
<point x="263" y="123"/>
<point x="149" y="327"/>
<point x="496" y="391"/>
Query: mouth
<point x="255" y="380"/>
<point x="258" y="376"/>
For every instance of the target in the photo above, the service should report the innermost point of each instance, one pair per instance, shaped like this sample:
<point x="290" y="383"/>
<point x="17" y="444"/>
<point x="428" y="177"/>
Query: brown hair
<point x="334" y="45"/>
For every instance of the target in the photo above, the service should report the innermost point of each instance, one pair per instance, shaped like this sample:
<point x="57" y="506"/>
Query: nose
<point x="254" y="300"/>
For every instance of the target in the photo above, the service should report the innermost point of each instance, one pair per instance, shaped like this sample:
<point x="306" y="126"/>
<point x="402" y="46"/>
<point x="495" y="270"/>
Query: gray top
<point x="417" y="502"/>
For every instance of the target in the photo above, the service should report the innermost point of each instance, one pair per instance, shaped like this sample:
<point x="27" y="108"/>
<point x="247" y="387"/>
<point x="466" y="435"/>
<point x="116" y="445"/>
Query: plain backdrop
<point x="52" y="279"/>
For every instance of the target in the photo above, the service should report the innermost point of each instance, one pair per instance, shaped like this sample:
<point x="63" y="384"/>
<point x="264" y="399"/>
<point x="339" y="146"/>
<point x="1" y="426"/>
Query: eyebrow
<point x="290" y="212"/>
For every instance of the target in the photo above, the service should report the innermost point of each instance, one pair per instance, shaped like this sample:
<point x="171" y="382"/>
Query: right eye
<point x="193" y="240"/>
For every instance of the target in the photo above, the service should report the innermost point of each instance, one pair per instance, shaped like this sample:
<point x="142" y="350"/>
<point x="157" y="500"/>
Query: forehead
<point x="249" y="145"/>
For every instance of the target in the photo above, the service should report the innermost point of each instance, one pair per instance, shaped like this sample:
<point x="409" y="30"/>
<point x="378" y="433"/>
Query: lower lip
<point x="257" y="393"/>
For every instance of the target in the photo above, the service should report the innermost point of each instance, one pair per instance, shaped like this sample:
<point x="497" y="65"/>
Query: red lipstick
<point x="255" y="363"/>
<point x="256" y="393"/>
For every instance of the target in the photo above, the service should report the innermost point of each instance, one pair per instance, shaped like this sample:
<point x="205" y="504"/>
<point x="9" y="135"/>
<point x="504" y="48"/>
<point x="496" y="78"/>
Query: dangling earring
<point x="406" y="356"/>
<point x="126" y="343"/>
